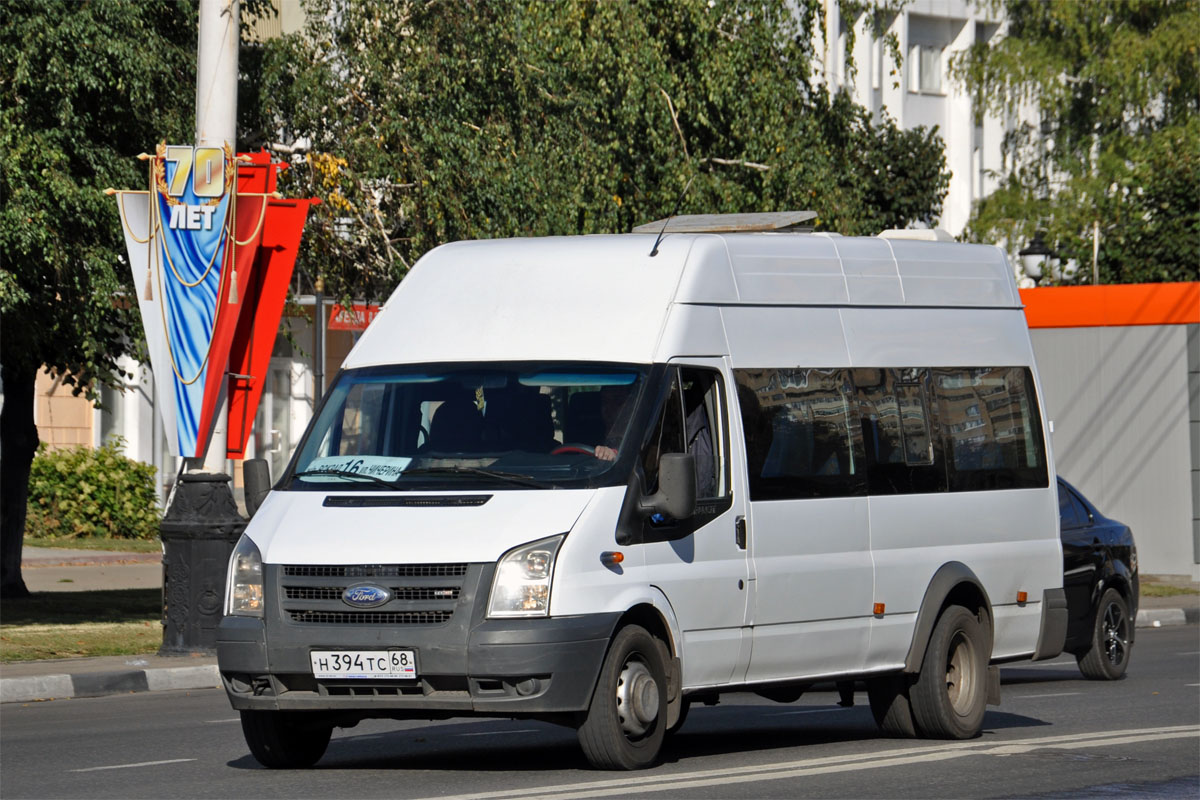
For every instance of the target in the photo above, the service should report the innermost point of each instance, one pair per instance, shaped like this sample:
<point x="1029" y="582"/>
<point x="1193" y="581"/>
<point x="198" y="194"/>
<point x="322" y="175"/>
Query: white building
<point x="919" y="91"/>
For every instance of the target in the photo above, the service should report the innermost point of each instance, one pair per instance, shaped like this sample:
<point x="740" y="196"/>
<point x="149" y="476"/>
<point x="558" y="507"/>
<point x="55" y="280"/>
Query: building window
<point x="925" y="68"/>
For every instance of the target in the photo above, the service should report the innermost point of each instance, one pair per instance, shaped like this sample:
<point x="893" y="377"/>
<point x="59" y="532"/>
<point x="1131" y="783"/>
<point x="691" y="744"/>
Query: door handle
<point x="739" y="532"/>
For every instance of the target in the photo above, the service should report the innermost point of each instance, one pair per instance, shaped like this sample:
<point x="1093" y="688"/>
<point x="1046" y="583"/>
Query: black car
<point x="1100" y="577"/>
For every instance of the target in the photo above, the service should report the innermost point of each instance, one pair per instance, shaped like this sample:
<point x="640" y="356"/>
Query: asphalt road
<point x="1055" y="736"/>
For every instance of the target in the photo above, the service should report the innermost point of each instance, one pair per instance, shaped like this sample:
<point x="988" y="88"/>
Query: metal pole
<point x="216" y="125"/>
<point x="318" y="343"/>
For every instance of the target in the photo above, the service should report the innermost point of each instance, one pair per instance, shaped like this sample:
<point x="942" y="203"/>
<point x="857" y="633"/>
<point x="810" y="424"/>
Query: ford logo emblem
<point x="364" y="595"/>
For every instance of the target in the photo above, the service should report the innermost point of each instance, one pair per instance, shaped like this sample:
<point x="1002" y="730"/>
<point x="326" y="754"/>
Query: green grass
<point x="75" y="624"/>
<point x="95" y="543"/>
<point x="1163" y="590"/>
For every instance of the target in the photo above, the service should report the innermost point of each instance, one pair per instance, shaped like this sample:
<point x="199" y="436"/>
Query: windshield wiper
<point x="343" y="473"/>
<point x="511" y="477"/>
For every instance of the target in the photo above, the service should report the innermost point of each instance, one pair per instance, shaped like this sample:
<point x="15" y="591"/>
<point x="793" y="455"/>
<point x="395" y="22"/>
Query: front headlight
<point x="244" y="587"/>
<point x="522" y="584"/>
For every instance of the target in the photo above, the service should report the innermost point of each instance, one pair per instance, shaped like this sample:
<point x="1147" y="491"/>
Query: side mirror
<point x="256" y="477"/>
<point x="676" y="495"/>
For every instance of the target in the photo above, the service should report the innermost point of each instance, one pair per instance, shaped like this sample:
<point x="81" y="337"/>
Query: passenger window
<point x="704" y="430"/>
<point x="692" y="422"/>
<point x="991" y="431"/>
<point x="667" y="436"/>
<point x="903" y="457"/>
<point x="802" y="433"/>
<point x="1070" y="511"/>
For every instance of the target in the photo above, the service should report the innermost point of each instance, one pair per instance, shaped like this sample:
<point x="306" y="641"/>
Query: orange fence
<point x="1119" y="304"/>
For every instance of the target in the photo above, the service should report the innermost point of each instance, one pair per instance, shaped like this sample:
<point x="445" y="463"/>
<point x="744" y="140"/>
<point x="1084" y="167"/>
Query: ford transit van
<point x="593" y="480"/>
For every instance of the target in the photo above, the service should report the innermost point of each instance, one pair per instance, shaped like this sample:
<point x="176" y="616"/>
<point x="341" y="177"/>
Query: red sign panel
<point x="354" y="318"/>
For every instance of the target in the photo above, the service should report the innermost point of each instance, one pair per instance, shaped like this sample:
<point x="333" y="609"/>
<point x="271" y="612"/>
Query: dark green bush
<point x="91" y="492"/>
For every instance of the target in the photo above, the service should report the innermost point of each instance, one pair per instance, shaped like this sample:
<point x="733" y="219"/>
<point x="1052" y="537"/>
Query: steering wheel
<point x="571" y="447"/>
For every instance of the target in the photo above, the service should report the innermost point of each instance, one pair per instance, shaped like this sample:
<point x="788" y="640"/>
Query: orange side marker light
<point x="1022" y="597"/>
<point x="878" y="611"/>
<point x="610" y="558"/>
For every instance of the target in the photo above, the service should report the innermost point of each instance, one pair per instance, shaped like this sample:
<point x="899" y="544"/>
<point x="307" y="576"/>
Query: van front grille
<point x="398" y="592"/>
<point x="421" y="594"/>
<point x="371" y="617"/>
<point x="375" y="571"/>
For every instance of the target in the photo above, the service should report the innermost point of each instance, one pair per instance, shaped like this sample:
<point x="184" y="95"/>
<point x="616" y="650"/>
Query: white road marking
<point x="500" y="733"/>
<point x="828" y="710"/>
<point x="1039" y="696"/>
<point x="830" y="764"/>
<point x="1037" y="664"/>
<point x="220" y="721"/>
<point x="139" y="764"/>
<point x="1192" y="653"/>
<point x="1193" y="684"/>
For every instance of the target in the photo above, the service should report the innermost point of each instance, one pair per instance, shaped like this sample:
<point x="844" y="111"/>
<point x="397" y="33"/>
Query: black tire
<point x="949" y="696"/>
<point x="626" y="720"/>
<point x="285" y="740"/>
<point x="891" y="707"/>
<point x="684" y="706"/>
<point x="1112" y="640"/>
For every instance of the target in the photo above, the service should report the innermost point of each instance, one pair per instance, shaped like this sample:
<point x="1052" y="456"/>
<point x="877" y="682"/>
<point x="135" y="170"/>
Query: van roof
<point x="527" y="292"/>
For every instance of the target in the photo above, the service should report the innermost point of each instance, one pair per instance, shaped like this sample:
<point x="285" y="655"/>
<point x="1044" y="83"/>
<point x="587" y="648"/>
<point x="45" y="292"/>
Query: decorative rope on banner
<point x="156" y="225"/>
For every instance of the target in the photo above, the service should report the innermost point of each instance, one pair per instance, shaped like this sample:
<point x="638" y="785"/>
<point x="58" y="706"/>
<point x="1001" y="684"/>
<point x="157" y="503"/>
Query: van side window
<point x="802" y="433"/>
<point x="692" y="422"/>
<point x="667" y="436"/>
<point x="991" y="432"/>
<point x="704" y="430"/>
<point x="897" y="421"/>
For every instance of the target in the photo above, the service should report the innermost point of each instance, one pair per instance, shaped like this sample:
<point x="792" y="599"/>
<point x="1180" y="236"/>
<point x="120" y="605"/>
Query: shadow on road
<point x="523" y="746"/>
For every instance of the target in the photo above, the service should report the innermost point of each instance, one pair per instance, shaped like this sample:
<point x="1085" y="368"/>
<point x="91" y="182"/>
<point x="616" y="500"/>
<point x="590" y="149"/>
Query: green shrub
<point x="91" y="492"/>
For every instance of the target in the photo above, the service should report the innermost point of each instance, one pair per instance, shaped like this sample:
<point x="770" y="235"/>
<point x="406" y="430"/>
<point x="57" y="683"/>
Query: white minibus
<point x="594" y="480"/>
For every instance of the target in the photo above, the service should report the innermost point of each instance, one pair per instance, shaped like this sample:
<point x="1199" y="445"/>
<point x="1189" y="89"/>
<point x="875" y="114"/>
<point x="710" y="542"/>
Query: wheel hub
<point x="959" y="675"/>
<point x="1114" y="634"/>
<point x="637" y="698"/>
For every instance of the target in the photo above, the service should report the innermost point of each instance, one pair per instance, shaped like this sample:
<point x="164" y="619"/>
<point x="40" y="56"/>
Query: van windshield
<point x="468" y="426"/>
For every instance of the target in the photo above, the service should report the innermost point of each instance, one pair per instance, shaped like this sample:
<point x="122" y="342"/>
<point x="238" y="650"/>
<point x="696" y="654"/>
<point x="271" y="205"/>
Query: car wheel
<point x="286" y="740"/>
<point x="1112" y="643"/>
<point x="684" y="705"/>
<point x="891" y="707"/>
<point x="949" y="696"/>
<point x="626" y="721"/>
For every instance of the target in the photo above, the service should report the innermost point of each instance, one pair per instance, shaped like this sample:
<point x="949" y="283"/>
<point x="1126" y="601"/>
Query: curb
<point x="97" y="684"/>
<point x="1162" y="617"/>
<point x="92" y="560"/>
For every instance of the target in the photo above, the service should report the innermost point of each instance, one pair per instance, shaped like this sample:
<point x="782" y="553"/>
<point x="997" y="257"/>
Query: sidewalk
<point x="62" y="570"/>
<point x="53" y="570"/>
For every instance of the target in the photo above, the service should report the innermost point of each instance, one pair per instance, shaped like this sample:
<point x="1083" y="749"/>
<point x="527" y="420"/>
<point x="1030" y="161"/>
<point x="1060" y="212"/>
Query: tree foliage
<point x="1113" y="87"/>
<point x="84" y="87"/>
<point x="426" y="122"/>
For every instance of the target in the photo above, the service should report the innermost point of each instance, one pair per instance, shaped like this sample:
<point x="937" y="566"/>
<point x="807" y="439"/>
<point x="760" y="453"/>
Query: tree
<point x="422" y="123"/>
<point x="1114" y="91"/>
<point x="85" y="87"/>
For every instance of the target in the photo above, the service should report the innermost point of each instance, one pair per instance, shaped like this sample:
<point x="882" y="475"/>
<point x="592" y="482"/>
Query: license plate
<point x="363" y="664"/>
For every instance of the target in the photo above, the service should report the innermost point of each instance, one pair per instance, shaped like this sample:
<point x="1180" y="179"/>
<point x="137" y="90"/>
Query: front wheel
<point x="626" y="720"/>
<point x="286" y="740"/>
<point x="949" y="696"/>
<point x="1112" y="642"/>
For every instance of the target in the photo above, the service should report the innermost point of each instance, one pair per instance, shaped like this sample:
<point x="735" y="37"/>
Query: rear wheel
<point x="949" y="696"/>
<point x="891" y="707"/>
<point x="626" y="720"/>
<point x="1112" y="644"/>
<point x="286" y="740"/>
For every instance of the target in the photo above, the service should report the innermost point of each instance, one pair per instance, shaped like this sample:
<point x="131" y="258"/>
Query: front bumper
<point x="528" y="667"/>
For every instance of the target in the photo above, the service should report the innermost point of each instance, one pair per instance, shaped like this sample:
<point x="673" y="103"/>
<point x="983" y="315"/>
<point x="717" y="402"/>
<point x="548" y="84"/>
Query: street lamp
<point x="1035" y="255"/>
